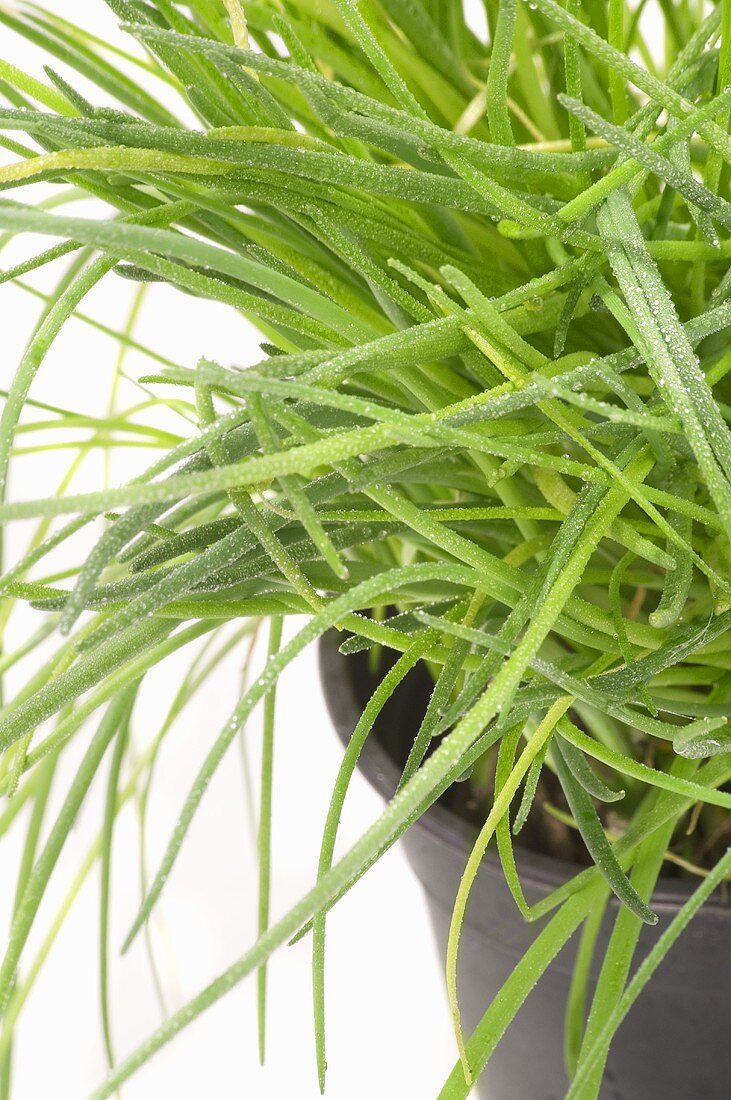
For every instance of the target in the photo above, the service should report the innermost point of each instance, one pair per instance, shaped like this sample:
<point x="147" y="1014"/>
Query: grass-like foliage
<point x="488" y="431"/>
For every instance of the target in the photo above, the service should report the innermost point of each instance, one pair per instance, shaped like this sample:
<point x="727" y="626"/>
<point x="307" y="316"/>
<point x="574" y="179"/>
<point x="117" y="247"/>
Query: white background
<point x="389" y="1034"/>
<point x="388" y="1028"/>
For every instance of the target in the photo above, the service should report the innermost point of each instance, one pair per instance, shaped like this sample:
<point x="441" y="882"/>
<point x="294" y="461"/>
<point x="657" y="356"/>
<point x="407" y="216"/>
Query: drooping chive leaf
<point x="648" y="966"/>
<point x="591" y="830"/>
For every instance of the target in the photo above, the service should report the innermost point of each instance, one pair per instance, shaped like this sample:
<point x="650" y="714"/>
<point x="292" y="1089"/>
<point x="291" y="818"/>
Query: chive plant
<point x="488" y="430"/>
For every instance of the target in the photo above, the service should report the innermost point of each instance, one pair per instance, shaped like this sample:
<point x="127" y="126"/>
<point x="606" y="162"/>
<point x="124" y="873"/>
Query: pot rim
<point x="442" y="823"/>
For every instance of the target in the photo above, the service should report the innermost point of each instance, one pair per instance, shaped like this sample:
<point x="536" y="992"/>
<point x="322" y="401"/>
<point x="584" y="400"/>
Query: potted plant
<point x="484" y="452"/>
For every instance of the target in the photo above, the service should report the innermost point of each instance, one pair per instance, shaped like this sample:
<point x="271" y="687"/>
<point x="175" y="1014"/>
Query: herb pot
<point x="675" y="1044"/>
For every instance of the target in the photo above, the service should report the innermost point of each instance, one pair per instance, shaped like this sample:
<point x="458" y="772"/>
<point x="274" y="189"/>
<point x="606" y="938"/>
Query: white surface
<point x="388" y="1026"/>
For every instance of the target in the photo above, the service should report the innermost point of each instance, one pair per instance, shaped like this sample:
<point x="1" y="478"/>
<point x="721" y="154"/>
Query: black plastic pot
<point x="676" y="1042"/>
